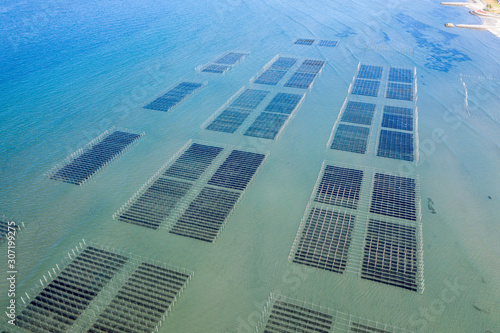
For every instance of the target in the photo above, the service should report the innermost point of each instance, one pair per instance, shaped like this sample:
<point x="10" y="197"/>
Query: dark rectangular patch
<point x="237" y="170"/>
<point x="300" y="80"/>
<point x="205" y="216"/>
<point x="57" y="307"/>
<point x="358" y="113"/>
<point x="399" y="91"/>
<point x="351" y="138"/>
<point x="270" y="77"/>
<point x="397" y="145"/>
<point x="193" y="162"/>
<point x="249" y="99"/>
<point x="93" y="158"/>
<point x="370" y="72"/>
<point x="325" y="240"/>
<point x="267" y="125"/>
<point x="229" y="120"/>
<point x="231" y="58"/>
<point x="156" y="203"/>
<point x="365" y="87"/>
<point x="390" y="255"/>
<point x="142" y="301"/>
<point x="302" y="41"/>
<point x="361" y="328"/>
<point x="398" y="118"/>
<point x="328" y="43"/>
<point x="402" y="75"/>
<point x="340" y="186"/>
<point x="174" y="96"/>
<point x="283" y="63"/>
<point x="288" y="317"/>
<point x="311" y="66"/>
<point x="394" y="196"/>
<point x="284" y="103"/>
<point x="215" y="68"/>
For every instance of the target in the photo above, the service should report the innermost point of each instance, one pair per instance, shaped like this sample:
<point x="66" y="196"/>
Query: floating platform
<point x="285" y="314"/>
<point x="98" y="289"/>
<point x="455" y="3"/>
<point x="366" y="222"/>
<point x="474" y="26"/>
<point x="87" y="161"/>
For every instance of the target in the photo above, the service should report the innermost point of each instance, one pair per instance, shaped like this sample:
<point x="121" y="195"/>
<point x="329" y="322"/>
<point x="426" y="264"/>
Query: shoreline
<point x="490" y="21"/>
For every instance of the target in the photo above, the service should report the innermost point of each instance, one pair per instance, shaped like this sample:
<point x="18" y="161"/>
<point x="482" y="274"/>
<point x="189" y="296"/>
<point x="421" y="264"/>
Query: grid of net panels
<point x="367" y="81"/>
<point x="401" y="91"/>
<point x="207" y="214"/>
<point x="328" y="43"/>
<point x="339" y="186"/>
<point x="398" y="138"/>
<point x="399" y="118"/>
<point x="391" y="254"/>
<point x="365" y="87"/>
<point x="223" y="63"/>
<point x="61" y="301"/>
<point x="394" y="196"/>
<point x="396" y="145"/>
<point x="174" y="96"/>
<point x="283" y="63"/>
<point x="193" y="162"/>
<point x="104" y="288"/>
<point x="304" y="41"/>
<point x="249" y="99"/>
<point x="325" y="233"/>
<point x="143" y="300"/>
<point x="229" y="120"/>
<point x="346" y="203"/>
<point x="285" y="314"/>
<point x="237" y="170"/>
<point x="305" y="75"/>
<point x="325" y="240"/>
<point x="270" y="77"/>
<point x="231" y="58"/>
<point x="215" y="68"/>
<point x="322" y="42"/>
<point x="351" y="138"/>
<point x="269" y="123"/>
<point x="155" y="202"/>
<point x="370" y="72"/>
<point x="284" y="103"/>
<point x="273" y="73"/>
<point x="358" y="113"/>
<point x="195" y="192"/>
<point x="236" y="111"/>
<point x="80" y="166"/>
<point x="403" y="75"/>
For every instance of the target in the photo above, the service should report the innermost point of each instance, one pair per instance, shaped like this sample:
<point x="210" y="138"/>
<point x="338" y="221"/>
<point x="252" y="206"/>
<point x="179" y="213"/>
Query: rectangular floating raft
<point x="174" y="96"/>
<point x="86" y="162"/>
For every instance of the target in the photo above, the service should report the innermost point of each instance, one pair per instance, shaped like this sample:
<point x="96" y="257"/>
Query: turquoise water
<point x="70" y="71"/>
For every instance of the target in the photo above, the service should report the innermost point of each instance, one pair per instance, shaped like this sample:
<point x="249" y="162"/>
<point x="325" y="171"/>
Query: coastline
<point x="490" y="21"/>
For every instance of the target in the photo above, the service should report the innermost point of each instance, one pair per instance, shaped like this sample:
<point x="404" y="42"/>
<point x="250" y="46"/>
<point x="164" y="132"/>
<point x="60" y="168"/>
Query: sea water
<point x="71" y="70"/>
